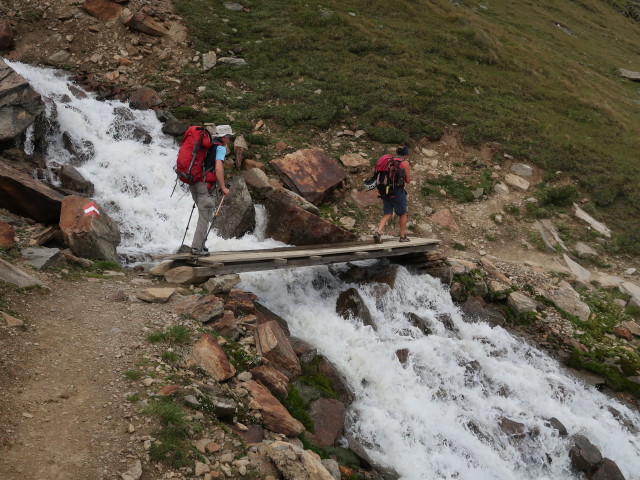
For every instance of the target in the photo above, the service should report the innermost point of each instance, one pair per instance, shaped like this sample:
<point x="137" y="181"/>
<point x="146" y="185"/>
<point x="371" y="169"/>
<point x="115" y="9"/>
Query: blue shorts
<point x="396" y="201"/>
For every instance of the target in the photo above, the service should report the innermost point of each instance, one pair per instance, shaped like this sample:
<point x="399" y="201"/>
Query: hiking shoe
<point x="198" y="253"/>
<point x="404" y="239"/>
<point x="376" y="238"/>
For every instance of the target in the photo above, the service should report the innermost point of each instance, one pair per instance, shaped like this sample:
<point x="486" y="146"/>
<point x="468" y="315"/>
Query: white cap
<point x="224" y="130"/>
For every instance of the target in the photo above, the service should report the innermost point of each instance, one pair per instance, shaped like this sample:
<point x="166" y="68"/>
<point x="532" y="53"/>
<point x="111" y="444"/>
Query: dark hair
<point x="402" y="150"/>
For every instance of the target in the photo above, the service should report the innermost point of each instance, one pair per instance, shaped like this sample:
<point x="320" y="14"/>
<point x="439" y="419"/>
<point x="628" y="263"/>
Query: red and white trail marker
<point x="91" y="209"/>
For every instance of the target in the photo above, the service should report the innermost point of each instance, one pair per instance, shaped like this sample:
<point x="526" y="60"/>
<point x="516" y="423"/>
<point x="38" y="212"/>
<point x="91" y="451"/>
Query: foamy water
<point x="438" y="416"/>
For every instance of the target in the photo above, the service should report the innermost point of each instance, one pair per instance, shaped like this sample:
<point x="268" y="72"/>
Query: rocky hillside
<point x="520" y="248"/>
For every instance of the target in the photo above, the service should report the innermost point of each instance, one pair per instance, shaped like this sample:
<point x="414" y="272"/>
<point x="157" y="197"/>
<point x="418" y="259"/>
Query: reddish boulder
<point x="227" y="326"/>
<point x="293" y="225"/>
<point x="328" y="420"/>
<point x="88" y="230"/>
<point x="310" y="172"/>
<point x="209" y="356"/>
<point x="240" y="302"/>
<point x="276" y="381"/>
<point x="202" y="308"/>
<point x="272" y="343"/>
<point x="7" y="235"/>
<point x="444" y="219"/>
<point x="252" y="435"/>
<point x="21" y="194"/>
<point x="622" y="332"/>
<point x="103" y="9"/>
<point x="145" y="24"/>
<point x="275" y="417"/>
<point x="6" y="34"/>
<point x="143" y="98"/>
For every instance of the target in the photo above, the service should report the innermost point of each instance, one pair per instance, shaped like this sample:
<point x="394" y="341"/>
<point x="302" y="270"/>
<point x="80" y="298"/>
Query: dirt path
<point x="64" y="405"/>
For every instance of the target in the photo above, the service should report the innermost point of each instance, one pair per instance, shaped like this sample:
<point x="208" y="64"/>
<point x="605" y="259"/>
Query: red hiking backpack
<point x="388" y="175"/>
<point x="190" y="165"/>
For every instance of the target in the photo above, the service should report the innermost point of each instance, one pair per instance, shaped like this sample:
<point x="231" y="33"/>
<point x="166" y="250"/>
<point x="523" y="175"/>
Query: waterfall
<point x="436" y="417"/>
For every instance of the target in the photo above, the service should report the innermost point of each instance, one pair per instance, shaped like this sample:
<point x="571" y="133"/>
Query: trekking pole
<point x="213" y="220"/>
<point x="185" y="232"/>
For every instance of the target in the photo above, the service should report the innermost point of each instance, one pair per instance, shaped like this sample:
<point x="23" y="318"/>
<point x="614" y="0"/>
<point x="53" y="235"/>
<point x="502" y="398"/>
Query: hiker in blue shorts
<point x="395" y="198"/>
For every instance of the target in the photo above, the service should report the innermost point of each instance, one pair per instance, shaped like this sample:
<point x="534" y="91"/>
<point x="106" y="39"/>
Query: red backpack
<point x="190" y="165"/>
<point x="388" y="174"/>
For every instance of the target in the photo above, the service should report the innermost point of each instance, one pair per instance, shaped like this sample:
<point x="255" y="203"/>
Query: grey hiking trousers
<point x="205" y="201"/>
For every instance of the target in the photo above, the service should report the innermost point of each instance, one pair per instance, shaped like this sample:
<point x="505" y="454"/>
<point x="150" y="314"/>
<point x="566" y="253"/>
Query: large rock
<point x="293" y="225"/>
<point x="202" y="308"/>
<point x="209" y="356"/>
<point x="567" y="299"/>
<point x="7" y="235"/>
<point x="257" y="182"/>
<point x="584" y="455"/>
<point x="609" y="470"/>
<point x="521" y="303"/>
<point x="633" y="290"/>
<point x="272" y="343"/>
<point x="294" y="462"/>
<point x="237" y="215"/>
<point x="21" y="194"/>
<point x="274" y="416"/>
<point x="88" y="230"/>
<point x="516" y="182"/>
<point x="310" y="173"/>
<point x="72" y="179"/>
<point x="630" y="74"/>
<point x="276" y="381"/>
<point x="328" y="421"/>
<point x="145" y="24"/>
<point x="289" y="196"/>
<point x="444" y="218"/>
<point x="351" y="305"/>
<point x="143" y="98"/>
<point x="15" y="276"/>
<point x="6" y="34"/>
<point x="593" y="223"/>
<point x="477" y="308"/>
<point x="103" y="9"/>
<point x="582" y="274"/>
<point x="19" y="103"/>
<point x="42" y="258"/>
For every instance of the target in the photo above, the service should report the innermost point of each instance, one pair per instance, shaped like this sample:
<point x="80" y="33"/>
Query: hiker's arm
<point x="407" y="172"/>
<point x="220" y="177"/>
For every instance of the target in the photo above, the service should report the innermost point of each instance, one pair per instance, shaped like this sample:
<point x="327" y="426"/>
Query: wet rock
<point x="512" y="428"/>
<point x="237" y="214"/>
<point x="88" y="230"/>
<point x="328" y="419"/>
<point x="174" y="127"/>
<point x="477" y="308"/>
<point x="311" y="173"/>
<point x="272" y="343"/>
<point x="81" y="151"/>
<point x="351" y="305"/>
<point x="275" y="417"/>
<point x="420" y="323"/>
<point x="558" y="426"/>
<point x="202" y="308"/>
<point x="21" y="194"/>
<point x="584" y="455"/>
<point x="609" y="470"/>
<point x="72" y="179"/>
<point x="209" y="356"/>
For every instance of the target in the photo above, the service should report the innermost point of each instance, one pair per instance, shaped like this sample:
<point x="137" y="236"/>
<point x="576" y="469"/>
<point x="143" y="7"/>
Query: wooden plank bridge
<point x="191" y="269"/>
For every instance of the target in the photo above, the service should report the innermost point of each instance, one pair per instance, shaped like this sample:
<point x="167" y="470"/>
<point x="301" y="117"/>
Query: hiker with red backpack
<point x="200" y="165"/>
<point x="390" y="177"/>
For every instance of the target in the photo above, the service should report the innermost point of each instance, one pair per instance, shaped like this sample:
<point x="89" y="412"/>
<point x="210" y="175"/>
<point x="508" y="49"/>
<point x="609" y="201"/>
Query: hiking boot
<point x="198" y="253"/>
<point x="376" y="238"/>
<point x="404" y="239"/>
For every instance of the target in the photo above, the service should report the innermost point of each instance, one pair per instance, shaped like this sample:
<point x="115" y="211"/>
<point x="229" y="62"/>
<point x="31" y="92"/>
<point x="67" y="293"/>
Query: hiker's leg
<point x="403" y="225"/>
<point x="383" y="222"/>
<point x="206" y="205"/>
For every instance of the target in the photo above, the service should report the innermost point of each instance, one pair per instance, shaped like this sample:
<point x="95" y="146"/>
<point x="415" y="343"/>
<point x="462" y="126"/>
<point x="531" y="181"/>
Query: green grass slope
<point x="539" y="77"/>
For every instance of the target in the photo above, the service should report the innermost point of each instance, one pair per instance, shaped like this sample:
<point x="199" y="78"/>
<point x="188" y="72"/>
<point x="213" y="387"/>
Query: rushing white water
<point x="438" y="416"/>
